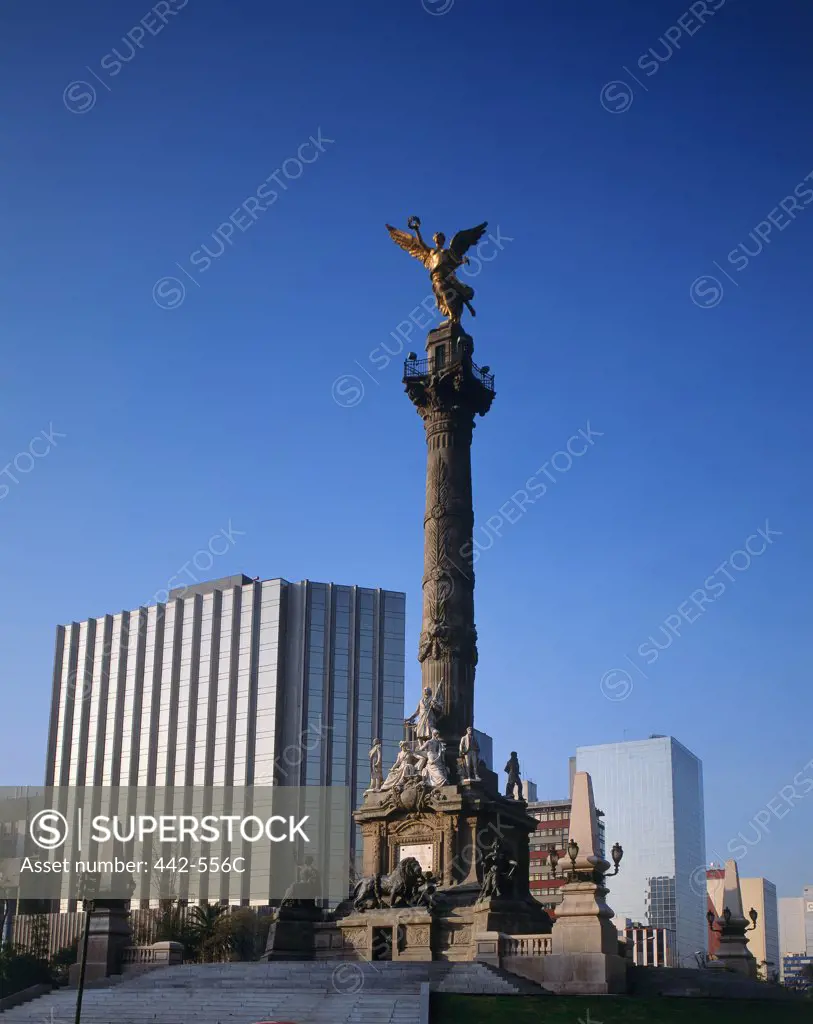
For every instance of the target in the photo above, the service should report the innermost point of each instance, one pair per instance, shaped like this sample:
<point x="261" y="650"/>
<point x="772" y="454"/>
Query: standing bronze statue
<point x="451" y="295"/>
<point x="513" y="787"/>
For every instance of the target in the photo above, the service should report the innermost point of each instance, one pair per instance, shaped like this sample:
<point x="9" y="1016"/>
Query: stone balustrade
<point x="159" y="954"/>
<point x="137" y="955"/>
<point x="525" y="945"/>
<point x="503" y="950"/>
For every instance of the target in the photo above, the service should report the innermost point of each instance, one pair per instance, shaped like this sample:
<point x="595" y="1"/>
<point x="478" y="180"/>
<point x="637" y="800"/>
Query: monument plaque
<point x="422" y="852"/>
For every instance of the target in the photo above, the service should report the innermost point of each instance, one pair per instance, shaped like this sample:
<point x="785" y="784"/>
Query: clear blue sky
<point x="221" y="409"/>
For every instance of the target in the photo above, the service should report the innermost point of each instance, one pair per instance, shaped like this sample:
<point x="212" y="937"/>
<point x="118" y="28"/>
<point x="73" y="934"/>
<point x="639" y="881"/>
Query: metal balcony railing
<point x="416" y="368"/>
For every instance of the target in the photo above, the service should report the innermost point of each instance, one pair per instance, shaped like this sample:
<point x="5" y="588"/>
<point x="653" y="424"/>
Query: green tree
<point x="40" y="937"/>
<point x="248" y="932"/>
<point x="19" y="970"/>
<point x="212" y="937"/>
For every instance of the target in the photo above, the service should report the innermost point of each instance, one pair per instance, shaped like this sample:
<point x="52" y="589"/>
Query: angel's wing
<point x="464" y="240"/>
<point x="409" y="243"/>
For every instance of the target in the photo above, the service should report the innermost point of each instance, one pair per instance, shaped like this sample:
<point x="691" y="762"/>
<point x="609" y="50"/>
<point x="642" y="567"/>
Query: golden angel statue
<point x="451" y="295"/>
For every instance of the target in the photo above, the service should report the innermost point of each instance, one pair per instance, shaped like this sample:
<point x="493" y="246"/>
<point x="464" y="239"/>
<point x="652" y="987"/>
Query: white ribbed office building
<point x="651" y="793"/>
<point x="229" y="683"/>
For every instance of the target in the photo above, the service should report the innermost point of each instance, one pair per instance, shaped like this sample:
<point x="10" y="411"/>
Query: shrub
<point x="20" y="970"/>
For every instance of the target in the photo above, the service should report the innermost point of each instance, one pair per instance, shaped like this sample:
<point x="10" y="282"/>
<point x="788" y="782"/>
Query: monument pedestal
<point x="586" y="974"/>
<point x="445" y="829"/>
<point x="584" y="922"/>
<point x="585" y="958"/>
<point x="110" y="933"/>
<point x="291" y="934"/>
<point x="448" y="830"/>
<point x="444" y="933"/>
<point x="398" y="933"/>
<point x="733" y="951"/>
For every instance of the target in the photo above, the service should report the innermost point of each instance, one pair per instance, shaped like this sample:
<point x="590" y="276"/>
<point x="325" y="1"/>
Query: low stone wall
<point x="523" y="955"/>
<point x="533" y="957"/>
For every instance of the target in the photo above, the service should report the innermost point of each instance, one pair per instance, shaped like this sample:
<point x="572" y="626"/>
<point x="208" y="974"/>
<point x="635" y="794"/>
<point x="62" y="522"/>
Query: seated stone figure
<point x="306" y="887"/>
<point x="403" y="769"/>
<point x="432" y="765"/>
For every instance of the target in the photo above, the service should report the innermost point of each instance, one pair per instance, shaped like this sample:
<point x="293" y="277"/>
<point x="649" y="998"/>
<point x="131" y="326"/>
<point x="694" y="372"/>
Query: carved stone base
<point x="410" y="934"/>
<point x="447" y="829"/>
<point x="733" y="951"/>
<point x="401" y="933"/>
<point x="450" y="830"/>
<point x="291" y="935"/>
<point x="584" y="921"/>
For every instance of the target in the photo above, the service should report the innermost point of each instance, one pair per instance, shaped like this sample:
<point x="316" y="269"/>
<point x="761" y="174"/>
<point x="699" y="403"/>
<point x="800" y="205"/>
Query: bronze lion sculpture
<point x="401" y="888"/>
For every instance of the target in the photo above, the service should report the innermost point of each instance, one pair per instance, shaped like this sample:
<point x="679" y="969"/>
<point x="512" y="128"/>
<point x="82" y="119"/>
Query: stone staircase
<point x="324" y="992"/>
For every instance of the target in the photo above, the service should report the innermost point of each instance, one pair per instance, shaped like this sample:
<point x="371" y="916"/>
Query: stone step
<point x="301" y="1011"/>
<point x="387" y="993"/>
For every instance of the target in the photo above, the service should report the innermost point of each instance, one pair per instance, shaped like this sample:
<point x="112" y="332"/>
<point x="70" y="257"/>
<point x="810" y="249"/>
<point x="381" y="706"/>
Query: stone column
<point x="448" y="391"/>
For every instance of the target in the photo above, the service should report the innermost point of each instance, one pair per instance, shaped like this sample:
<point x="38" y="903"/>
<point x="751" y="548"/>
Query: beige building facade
<point x="763" y="941"/>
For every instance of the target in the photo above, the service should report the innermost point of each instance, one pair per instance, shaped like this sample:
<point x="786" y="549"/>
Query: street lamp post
<point x="722" y="924"/>
<point x="88" y="906"/>
<point x="616" y="853"/>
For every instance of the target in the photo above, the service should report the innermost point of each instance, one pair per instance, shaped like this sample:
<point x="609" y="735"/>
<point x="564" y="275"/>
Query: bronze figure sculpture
<point x="513" y="787"/>
<point x="451" y="295"/>
<point x="501" y="874"/>
<point x="400" y="888"/>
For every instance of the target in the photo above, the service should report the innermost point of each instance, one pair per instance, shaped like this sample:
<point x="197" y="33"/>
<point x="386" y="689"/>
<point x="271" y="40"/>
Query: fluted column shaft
<point x="449" y="391"/>
<point x="448" y="648"/>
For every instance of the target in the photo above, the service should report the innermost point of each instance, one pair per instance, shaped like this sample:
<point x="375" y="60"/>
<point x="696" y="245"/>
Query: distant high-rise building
<point x="794" y="914"/>
<point x="792" y="925"/>
<point x="529" y="791"/>
<point x="229" y="683"/>
<point x="486" y="744"/>
<point x="651" y="793"/>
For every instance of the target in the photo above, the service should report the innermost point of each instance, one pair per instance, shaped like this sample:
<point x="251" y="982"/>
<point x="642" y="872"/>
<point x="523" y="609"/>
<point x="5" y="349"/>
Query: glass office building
<point x="232" y="682"/>
<point x="486" y="744"/>
<point x="651" y="793"/>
